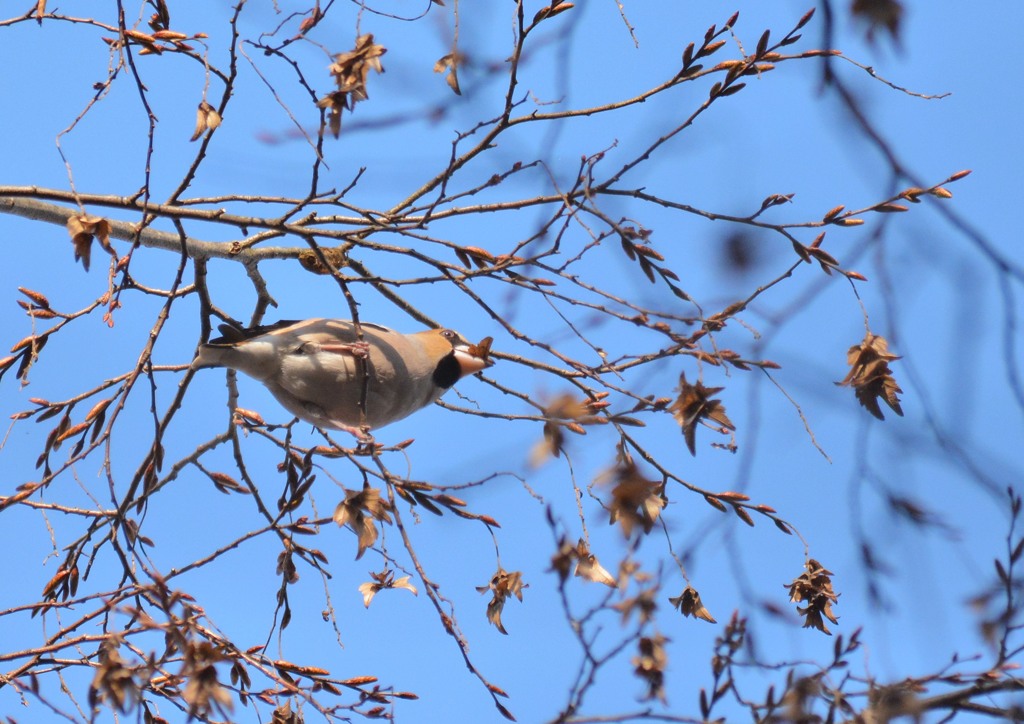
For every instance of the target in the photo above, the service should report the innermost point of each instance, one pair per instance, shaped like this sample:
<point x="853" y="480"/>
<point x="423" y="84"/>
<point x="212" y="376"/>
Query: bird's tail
<point x="214" y="355"/>
<point x="222" y="351"/>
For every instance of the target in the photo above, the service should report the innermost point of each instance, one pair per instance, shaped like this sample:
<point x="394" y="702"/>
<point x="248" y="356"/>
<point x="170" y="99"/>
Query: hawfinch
<point x="315" y="368"/>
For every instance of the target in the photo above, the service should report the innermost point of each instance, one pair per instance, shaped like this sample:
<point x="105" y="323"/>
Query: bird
<point x="320" y="370"/>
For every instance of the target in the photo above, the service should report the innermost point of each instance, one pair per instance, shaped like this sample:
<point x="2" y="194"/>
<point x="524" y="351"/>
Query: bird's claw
<point x="359" y="349"/>
<point x="365" y="444"/>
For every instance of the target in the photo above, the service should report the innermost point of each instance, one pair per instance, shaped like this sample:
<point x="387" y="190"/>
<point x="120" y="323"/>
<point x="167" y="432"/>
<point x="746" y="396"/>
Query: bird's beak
<point x="474" y="357"/>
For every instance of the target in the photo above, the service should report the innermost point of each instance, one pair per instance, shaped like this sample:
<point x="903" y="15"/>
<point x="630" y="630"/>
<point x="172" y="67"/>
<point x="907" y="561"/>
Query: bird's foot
<point x="365" y="444"/>
<point x="359" y="350"/>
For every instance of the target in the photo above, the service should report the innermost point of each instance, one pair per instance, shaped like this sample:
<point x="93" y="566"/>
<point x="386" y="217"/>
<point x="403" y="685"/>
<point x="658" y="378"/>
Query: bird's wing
<point x="230" y="334"/>
<point x="317" y="330"/>
<point x="329" y="333"/>
<point x="326" y="370"/>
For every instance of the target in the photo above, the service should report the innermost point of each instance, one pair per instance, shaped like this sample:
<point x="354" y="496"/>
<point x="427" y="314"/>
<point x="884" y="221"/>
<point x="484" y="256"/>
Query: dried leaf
<point x="814" y="587"/>
<point x="482" y="349"/>
<point x="565" y="412"/>
<point x="636" y="501"/>
<point x="449" y="65"/>
<point x="871" y="377"/>
<point x="83" y="229"/>
<point x="207" y="119"/>
<point x="502" y="585"/>
<point x="689" y="604"/>
<point x="588" y="567"/>
<point x="114" y="681"/>
<point x="382" y="580"/>
<point x="695" y="405"/>
<point x="643" y="605"/>
<point x="562" y="560"/>
<point x="359" y="511"/>
<point x="649" y="664"/>
<point x="350" y="71"/>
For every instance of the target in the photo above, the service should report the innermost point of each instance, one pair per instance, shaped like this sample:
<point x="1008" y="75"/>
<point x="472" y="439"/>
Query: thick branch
<point x="148" y="237"/>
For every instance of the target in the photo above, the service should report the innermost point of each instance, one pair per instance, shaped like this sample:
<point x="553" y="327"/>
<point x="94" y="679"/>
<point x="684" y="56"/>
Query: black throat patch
<point x="448" y="371"/>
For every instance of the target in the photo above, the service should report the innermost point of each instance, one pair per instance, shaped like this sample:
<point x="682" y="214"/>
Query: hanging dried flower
<point x="358" y="511"/>
<point x="695" y="405"/>
<point x="502" y="585"/>
<point x="382" y="580"/>
<point x="870" y="376"/>
<point x="689" y="604"/>
<point x="814" y="587"/>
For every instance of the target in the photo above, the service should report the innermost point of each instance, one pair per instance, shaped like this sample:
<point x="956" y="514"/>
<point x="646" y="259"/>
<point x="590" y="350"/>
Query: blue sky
<point x="930" y="291"/>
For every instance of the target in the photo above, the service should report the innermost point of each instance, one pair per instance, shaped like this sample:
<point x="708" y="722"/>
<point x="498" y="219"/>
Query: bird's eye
<point x="448" y="334"/>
